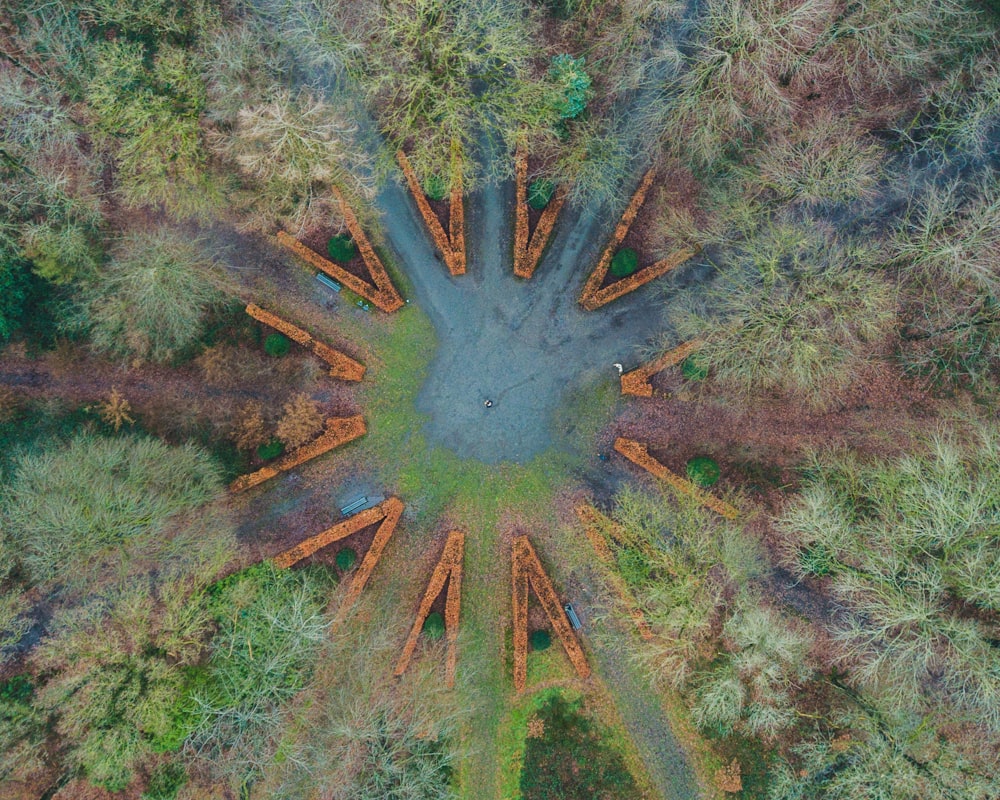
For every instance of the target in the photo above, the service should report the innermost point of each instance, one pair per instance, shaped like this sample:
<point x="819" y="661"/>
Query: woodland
<point x="785" y="550"/>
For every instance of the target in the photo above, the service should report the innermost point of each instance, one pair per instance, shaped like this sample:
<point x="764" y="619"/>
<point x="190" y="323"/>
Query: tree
<point x="909" y="546"/>
<point x="358" y="739"/>
<point x="116" y="410"/>
<point x="682" y="579"/>
<point x="437" y="71"/>
<point x="48" y="180"/>
<point x="945" y="249"/>
<point x="73" y="512"/>
<point x="151" y="115"/>
<point x="301" y="421"/>
<point x="13" y="291"/>
<point x="271" y="629"/>
<point x="294" y="147"/>
<point x="117" y="669"/>
<point x="249" y="430"/>
<point x="749" y="687"/>
<point x="794" y="310"/>
<point x="823" y="163"/>
<point x="151" y="300"/>
<point x="872" y="756"/>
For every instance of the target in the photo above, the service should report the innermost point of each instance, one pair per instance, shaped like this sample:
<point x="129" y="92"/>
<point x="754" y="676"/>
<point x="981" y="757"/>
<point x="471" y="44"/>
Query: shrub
<point x="540" y="193"/>
<point x="301" y="421"/>
<point x="346" y="558"/>
<point x="434" y="625"/>
<point x="703" y="471"/>
<point x="272" y="449"/>
<point x="540" y="640"/>
<point x="277" y="345"/>
<point x="341" y="248"/>
<point x="436" y="187"/>
<point x="625" y="262"/>
<point x="573" y="85"/>
<point x="694" y="368"/>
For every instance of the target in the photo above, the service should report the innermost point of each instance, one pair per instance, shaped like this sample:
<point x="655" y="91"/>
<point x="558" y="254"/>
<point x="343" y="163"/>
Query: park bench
<point x="328" y="282"/>
<point x="354" y="505"/>
<point x="574" y="620"/>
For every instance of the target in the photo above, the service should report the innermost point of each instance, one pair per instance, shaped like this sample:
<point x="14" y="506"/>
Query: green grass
<point x="440" y="489"/>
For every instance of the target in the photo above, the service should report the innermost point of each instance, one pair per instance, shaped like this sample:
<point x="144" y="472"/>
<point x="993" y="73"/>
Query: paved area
<point x="525" y="345"/>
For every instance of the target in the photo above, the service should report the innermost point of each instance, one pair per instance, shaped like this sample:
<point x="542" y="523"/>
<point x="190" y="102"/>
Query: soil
<point x="760" y="446"/>
<point x="442" y="210"/>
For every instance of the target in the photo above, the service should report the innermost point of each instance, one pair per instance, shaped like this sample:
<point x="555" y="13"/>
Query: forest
<point x="499" y="399"/>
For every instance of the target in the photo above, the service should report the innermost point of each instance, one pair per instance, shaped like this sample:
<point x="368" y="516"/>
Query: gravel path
<point x="525" y="345"/>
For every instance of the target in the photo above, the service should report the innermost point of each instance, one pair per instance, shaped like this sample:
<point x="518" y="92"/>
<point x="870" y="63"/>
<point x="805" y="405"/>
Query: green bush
<point x="277" y="345"/>
<point x="436" y="187"/>
<point x="540" y="193"/>
<point x="694" y="368"/>
<point x="540" y="640"/>
<point x="573" y="85"/>
<point x="341" y="248"/>
<point x="434" y="625"/>
<point x="625" y="262"/>
<point x="346" y="558"/>
<point x="703" y="471"/>
<point x="272" y="449"/>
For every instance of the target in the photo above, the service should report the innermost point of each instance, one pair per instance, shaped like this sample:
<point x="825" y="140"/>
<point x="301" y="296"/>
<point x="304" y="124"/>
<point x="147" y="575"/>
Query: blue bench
<point x="354" y="505"/>
<point x="328" y="282"/>
<point x="574" y="620"/>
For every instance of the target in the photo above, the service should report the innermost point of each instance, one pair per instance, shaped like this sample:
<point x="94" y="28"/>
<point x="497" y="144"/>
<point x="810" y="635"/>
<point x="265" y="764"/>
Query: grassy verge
<point x="488" y="502"/>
